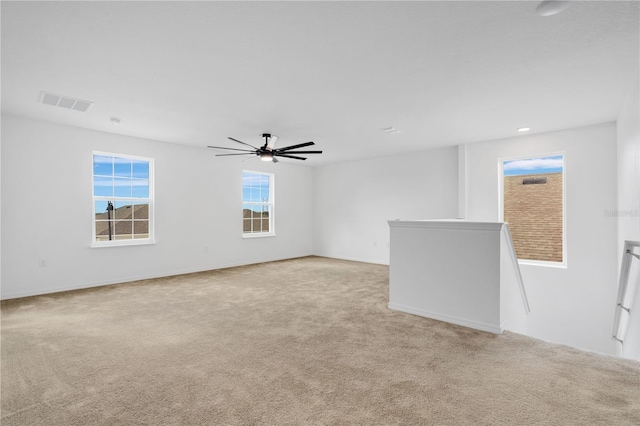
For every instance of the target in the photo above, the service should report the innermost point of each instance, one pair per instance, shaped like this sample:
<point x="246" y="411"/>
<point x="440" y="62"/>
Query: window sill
<point x="558" y="265"/>
<point x="123" y="243"/>
<point x="259" y="235"/>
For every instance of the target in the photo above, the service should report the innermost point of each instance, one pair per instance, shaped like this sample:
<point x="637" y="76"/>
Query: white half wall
<point x="46" y="210"/>
<point x="572" y="305"/>
<point x="354" y="200"/>
<point x="457" y="271"/>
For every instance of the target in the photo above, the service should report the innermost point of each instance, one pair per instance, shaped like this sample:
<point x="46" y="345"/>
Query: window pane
<point x="141" y="211"/>
<point x="249" y="179"/>
<point x="128" y="180"/>
<point x="123" y="229"/>
<point x="246" y="211"/>
<point x="532" y="166"/>
<point x="256" y="199"/>
<point x="102" y="230"/>
<point x="122" y="210"/>
<point x="122" y="167"/>
<point x="102" y="165"/>
<point x="140" y="188"/>
<point x="255" y="194"/>
<point x="141" y="229"/>
<point x="140" y="169"/>
<point x="533" y="207"/>
<point x="101" y="210"/>
<point x="103" y="186"/>
<point x="122" y="187"/>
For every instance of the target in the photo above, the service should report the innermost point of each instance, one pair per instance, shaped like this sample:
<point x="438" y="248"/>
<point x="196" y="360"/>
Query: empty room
<point x="320" y="213"/>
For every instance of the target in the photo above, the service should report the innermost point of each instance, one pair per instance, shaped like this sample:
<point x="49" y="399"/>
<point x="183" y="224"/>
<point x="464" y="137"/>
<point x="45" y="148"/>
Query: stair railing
<point x="624" y="287"/>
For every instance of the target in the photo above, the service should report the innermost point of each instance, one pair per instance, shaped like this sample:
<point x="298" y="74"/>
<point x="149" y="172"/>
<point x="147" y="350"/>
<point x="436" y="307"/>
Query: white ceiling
<point x="443" y="73"/>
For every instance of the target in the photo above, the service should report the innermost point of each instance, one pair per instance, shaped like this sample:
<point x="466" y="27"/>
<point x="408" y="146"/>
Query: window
<point x="122" y="199"/>
<point x="257" y="204"/>
<point x="533" y="206"/>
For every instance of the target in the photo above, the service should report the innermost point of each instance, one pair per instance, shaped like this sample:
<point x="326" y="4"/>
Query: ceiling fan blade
<point x="236" y="140"/>
<point x="268" y="150"/>
<point x="289" y="156"/>
<point x="251" y="158"/>
<point x="233" y="149"/>
<point x="287" y="148"/>
<point x="304" y="152"/>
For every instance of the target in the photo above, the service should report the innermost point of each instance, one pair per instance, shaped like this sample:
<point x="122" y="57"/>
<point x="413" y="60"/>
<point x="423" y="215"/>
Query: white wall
<point x="353" y="201"/>
<point x="46" y="210"/>
<point x="629" y="167"/>
<point x="46" y="213"/>
<point x="572" y="305"/>
<point x="629" y="202"/>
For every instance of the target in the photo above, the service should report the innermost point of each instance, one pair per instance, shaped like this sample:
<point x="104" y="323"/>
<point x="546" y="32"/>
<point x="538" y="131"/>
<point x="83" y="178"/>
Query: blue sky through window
<point x="552" y="164"/>
<point x="255" y="187"/>
<point x="119" y="177"/>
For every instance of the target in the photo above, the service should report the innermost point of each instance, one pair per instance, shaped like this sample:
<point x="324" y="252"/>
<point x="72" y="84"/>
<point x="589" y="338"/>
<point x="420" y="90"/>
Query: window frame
<point x="127" y="242"/>
<point x="501" y="161"/>
<point x="271" y="206"/>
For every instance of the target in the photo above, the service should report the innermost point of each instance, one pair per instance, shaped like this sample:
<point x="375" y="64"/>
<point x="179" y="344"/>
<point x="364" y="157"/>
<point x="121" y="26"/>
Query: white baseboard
<point x="447" y="318"/>
<point x="123" y="280"/>
<point x="353" y="259"/>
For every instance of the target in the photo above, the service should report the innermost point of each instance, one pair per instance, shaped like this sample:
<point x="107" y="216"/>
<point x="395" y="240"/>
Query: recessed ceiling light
<point x="524" y="129"/>
<point x="115" y="121"/>
<point x="552" y="7"/>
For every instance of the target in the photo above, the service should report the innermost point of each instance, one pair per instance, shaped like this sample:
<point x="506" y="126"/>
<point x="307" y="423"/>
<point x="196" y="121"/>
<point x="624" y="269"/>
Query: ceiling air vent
<point x="65" y="102"/>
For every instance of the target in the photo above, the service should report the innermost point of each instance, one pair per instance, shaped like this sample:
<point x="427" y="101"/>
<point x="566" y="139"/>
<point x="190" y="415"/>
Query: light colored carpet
<point x="307" y="341"/>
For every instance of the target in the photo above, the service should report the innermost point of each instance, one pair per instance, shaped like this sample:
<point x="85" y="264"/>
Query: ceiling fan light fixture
<point x="271" y="142"/>
<point x="266" y="156"/>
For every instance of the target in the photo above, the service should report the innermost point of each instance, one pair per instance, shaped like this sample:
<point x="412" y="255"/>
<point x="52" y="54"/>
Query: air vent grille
<point x="534" y="180"/>
<point x="65" y="102"/>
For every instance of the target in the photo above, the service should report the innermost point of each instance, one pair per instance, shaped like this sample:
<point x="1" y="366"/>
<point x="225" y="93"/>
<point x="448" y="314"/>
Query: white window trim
<point x="530" y="262"/>
<point x="132" y="242"/>
<point x="272" y="216"/>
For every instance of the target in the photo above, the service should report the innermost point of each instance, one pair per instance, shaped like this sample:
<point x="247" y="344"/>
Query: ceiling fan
<point x="268" y="152"/>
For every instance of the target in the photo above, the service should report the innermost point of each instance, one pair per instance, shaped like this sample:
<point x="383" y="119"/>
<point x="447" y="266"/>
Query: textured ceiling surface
<point x="442" y="73"/>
